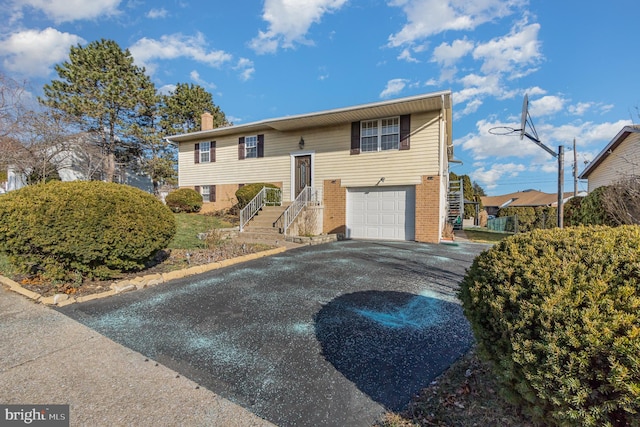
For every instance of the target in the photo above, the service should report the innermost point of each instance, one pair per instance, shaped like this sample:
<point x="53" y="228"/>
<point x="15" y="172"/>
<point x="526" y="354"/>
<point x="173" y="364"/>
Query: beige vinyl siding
<point x="332" y="158"/>
<point x="623" y="162"/>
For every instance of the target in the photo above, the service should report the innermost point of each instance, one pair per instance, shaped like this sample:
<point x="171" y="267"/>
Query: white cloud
<point x="394" y="87"/>
<point x="167" y="89"/>
<point x="545" y="106"/>
<point x="72" y="10"/>
<point x="246" y="68"/>
<point x="195" y="76"/>
<point x="289" y="21"/>
<point x="428" y="17"/>
<point x="405" y="55"/>
<point x="33" y="53"/>
<point x="174" y="46"/>
<point x="515" y="54"/>
<point x="157" y="13"/>
<point x="489" y="178"/>
<point x="448" y="54"/>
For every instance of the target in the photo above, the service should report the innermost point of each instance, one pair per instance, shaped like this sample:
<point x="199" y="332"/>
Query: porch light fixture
<point x="301" y="143"/>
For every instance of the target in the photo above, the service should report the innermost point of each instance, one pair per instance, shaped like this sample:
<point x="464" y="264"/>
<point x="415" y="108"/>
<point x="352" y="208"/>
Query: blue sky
<point x="271" y="58"/>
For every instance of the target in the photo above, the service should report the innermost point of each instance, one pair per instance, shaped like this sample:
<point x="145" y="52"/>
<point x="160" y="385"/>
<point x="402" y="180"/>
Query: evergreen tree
<point x="101" y="87"/>
<point x="182" y="109"/>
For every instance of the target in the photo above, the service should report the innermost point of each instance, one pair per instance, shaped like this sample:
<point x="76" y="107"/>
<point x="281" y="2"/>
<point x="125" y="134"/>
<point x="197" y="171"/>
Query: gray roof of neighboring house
<point x="615" y="142"/>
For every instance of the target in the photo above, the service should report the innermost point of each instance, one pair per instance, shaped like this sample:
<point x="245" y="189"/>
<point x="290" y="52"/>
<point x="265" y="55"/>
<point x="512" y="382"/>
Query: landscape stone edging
<point x="140" y="282"/>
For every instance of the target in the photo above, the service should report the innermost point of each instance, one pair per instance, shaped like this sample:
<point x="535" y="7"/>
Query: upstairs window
<point x="391" y="133"/>
<point x="251" y="146"/>
<point x="380" y="135"/>
<point x="205" y="152"/>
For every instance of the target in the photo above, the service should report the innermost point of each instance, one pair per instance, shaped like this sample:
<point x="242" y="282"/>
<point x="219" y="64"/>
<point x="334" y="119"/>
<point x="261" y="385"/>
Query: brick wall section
<point x="427" y="210"/>
<point x="335" y="207"/>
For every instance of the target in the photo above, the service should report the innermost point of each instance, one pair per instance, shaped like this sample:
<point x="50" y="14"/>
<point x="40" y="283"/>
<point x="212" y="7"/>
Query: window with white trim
<point x="205" y="192"/>
<point x="380" y="135"/>
<point x="251" y="146"/>
<point x="205" y="152"/>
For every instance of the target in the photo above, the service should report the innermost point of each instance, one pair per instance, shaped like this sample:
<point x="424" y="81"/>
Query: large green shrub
<point x="572" y="211"/>
<point x="592" y="209"/>
<point x="92" y="228"/>
<point x="185" y="200"/>
<point x="557" y="312"/>
<point x="246" y="193"/>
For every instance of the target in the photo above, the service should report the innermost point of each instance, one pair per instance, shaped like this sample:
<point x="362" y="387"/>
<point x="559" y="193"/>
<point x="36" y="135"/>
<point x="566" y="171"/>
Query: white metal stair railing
<point x="265" y="197"/>
<point x="455" y="198"/>
<point x="308" y="197"/>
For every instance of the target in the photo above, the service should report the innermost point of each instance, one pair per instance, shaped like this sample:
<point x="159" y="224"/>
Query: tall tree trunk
<point x="110" y="166"/>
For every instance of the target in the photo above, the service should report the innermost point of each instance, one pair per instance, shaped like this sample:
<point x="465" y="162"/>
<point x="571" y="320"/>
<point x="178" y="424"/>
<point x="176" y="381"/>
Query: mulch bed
<point x="165" y="261"/>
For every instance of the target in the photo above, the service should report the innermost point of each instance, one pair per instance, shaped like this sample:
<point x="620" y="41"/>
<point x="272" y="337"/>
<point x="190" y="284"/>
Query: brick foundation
<point x="428" y="210"/>
<point x="335" y="207"/>
<point x="225" y="197"/>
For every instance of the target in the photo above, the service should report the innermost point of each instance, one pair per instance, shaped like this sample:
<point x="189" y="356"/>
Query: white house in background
<point x="82" y="160"/>
<point x="618" y="160"/>
<point x="382" y="168"/>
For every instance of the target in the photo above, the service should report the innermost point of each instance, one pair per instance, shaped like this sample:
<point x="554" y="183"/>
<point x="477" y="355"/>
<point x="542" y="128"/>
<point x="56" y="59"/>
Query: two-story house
<point x="382" y="168"/>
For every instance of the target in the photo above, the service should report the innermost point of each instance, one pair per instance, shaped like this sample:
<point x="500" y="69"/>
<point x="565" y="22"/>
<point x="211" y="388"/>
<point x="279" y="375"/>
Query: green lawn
<point x="188" y="227"/>
<point x="484" y="235"/>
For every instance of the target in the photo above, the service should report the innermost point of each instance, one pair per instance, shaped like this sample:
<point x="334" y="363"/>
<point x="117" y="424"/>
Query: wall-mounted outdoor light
<point x="301" y="143"/>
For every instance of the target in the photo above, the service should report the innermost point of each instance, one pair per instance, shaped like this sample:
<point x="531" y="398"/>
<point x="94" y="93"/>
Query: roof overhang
<point x="615" y="142"/>
<point x="436" y="101"/>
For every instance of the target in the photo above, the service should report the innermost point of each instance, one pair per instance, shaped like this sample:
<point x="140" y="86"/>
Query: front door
<point x="302" y="173"/>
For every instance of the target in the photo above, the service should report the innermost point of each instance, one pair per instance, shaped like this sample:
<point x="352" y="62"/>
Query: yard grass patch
<point x="188" y="228"/>
<point x="485" y="236"/>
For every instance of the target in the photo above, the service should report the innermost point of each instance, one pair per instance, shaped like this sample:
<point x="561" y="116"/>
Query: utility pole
<point x="575" y="169"/>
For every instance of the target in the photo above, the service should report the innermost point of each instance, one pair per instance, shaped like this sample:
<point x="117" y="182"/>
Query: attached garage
<point x="386" y="213"/>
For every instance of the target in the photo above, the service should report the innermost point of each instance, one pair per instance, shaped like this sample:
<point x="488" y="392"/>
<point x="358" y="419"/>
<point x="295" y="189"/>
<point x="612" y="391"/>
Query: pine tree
<point x="183" y="107"/>
<point x="101" y="87"/>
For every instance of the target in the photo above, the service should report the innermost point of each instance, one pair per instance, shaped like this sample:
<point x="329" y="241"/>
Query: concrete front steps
<point x="260" y="228"/>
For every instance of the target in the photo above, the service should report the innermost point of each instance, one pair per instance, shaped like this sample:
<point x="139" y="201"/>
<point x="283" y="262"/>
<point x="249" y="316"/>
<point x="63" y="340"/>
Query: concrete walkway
<point x="47" y="358"/>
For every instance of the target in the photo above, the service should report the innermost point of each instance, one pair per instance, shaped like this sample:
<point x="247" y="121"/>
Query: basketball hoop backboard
<point x="523" y="118"/>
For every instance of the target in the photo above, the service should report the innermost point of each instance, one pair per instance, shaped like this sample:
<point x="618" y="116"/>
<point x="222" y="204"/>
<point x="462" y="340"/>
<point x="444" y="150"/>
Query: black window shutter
<point x="212" y="156"/>
<point x="212" y="193"/>
<point x="197" y="188"/>
<point x="405" y="132"/>
<point x="241" y="148"/>
<point x="355" y="138"/>
<point x="196" y="152"/>
<point x="260" y="145"/>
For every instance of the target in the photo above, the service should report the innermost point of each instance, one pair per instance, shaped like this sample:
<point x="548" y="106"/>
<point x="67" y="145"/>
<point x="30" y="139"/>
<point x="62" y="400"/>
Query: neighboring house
<point x="618" y="160"/>
<point x="80" y="158"/>
<point x="522" y="199"/>
<point x="382" y="167"/>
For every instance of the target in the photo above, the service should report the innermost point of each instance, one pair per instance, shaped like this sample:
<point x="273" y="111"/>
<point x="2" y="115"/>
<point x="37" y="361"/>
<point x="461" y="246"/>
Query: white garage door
<point x="381" y="213"/>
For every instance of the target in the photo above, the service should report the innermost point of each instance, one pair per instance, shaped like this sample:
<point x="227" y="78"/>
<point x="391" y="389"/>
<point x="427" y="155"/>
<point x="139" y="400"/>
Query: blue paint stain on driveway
<point x="317" y="336"/>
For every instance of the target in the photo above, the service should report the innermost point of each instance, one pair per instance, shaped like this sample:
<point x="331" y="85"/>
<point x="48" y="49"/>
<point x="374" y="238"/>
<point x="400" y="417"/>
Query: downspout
<point x="444" y="157"/>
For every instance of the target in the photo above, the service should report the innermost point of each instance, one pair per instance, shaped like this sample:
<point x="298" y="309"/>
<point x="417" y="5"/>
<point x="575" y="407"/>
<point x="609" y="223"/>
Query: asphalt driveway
<point x="317" y="336"/>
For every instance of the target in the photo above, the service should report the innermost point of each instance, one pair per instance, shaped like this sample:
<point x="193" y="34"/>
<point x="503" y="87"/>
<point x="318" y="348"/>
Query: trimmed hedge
<point x="248" y="192"/>
<point x="557" y="312"/>
<point x="185" y="200"/>
<point x="97" y="229"/>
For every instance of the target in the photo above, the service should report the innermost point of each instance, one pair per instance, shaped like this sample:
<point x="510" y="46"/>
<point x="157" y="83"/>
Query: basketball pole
<point x="560" y="186"/>
<point x="526" y="119"/>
